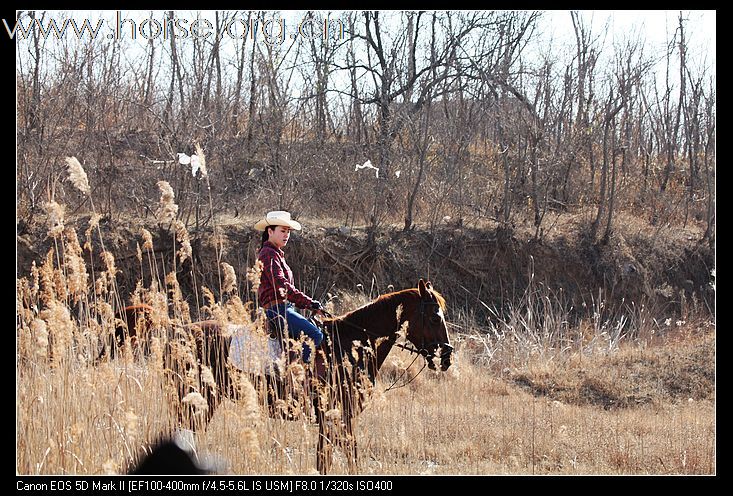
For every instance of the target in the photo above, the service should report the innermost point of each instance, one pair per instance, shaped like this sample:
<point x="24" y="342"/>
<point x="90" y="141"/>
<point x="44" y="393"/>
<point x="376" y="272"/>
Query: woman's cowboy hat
<point x="277" y="218"/>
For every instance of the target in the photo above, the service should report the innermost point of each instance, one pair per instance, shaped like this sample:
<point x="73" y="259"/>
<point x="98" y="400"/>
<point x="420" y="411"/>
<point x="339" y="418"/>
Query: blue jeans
<point x="297" y="324"/>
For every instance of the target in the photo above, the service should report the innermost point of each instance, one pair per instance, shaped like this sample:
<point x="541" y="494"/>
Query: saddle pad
<point x="253" y="352"/>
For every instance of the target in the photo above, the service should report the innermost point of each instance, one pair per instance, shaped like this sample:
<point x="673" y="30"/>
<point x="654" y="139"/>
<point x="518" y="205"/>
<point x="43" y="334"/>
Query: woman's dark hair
<point x="265" y="235"/>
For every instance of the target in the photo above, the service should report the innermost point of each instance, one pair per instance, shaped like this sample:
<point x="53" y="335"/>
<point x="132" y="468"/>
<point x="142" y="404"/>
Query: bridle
<point x="434" y="344"/>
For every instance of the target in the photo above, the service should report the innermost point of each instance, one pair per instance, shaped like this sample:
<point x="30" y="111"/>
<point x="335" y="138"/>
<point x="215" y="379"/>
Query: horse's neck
<point x="382" y="350"/>
<point x="379" y="319"/>
<point x="381" y="332"/>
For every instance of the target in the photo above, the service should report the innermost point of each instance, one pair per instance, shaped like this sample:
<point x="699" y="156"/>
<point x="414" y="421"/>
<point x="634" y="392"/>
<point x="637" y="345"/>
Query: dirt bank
<point x="472" y="267"/>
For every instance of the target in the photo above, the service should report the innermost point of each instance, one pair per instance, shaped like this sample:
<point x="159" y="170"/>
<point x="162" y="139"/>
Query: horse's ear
<point x="422" y="288"/>
<point x="429" y="286"/>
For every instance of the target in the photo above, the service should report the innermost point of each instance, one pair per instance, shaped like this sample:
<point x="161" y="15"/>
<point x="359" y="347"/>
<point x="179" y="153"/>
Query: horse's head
<point x="427" y="328"/>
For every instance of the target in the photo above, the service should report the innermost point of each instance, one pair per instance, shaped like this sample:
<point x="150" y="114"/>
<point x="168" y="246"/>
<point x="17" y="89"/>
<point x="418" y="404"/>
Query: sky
<point x="656" y="26"/>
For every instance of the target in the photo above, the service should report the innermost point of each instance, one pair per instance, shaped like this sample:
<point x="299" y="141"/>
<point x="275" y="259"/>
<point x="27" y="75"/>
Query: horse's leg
<point x="349" y="445"/>
<point x="346" y="441"/>
<point x="175" y="371"/>
<point x="352" y="454"/>
<point x="223" y="384"/>
<point x="212" y="400"/>
<point x="271" y="392"/>
<point x="277" y="399"/>
<point x="324" y="457"/>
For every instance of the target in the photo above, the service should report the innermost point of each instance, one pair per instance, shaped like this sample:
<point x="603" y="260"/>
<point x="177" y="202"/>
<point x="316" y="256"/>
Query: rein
<point x="392" y="386"/>
<point x="407" y="347"/>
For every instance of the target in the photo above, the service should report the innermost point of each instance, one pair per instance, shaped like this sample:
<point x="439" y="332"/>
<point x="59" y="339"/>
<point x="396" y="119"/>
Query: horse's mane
<point x="385" y="300"/>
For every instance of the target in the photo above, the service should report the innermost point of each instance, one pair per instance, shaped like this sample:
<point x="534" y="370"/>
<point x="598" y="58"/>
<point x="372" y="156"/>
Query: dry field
<point x="526" y="395"/>
<point x="544" y="416"/>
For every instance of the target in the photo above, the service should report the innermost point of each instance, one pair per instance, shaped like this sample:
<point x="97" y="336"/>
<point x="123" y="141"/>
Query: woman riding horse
<point x="348" y="360"/>
<point x="277" y="293"/>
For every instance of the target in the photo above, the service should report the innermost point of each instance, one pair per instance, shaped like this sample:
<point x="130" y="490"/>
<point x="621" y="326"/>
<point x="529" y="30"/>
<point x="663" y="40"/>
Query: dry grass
<point x="470" y="422"/>
<point x="612" y="394"/>
<point x="82" y="420"/>
<point x="639" y="407"/>
<point x="86" y="420"/>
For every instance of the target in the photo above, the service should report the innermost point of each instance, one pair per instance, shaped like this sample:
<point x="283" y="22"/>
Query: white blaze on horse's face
<point x="445" y="349"/>
<point x="443" y="326"/>
<point x="438" y="323"/>
<point x="442" y="317"/>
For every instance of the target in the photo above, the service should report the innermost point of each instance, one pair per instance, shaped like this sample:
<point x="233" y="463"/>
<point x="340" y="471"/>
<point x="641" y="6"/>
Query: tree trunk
<point x="252" y="99"/>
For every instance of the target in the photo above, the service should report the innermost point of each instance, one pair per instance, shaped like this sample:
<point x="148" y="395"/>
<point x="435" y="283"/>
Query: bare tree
<point x="708" y="160"/>
<point x="478" y="126"/>
<point x="587" y="58"/>
<point x="175" y="73"/>
<point x="626" y="78"/>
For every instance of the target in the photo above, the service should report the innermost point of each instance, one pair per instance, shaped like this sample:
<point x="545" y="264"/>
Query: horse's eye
<point x="435" y="319"/>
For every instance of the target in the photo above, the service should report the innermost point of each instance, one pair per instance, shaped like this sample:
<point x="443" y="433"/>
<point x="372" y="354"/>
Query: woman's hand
<point x="317" y="307"/>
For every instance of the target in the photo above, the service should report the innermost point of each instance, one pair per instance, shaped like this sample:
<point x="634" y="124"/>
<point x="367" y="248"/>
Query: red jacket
<point x="276" y="275"/>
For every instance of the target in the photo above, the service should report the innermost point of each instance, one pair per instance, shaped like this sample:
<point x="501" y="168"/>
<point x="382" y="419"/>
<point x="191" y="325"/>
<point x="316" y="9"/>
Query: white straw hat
<point x="277" y="218"/>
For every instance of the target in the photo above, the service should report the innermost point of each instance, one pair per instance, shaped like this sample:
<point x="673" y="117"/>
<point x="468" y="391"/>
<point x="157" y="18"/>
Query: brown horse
<point x="357" y="345"/>
<point x="344" y="369"/>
